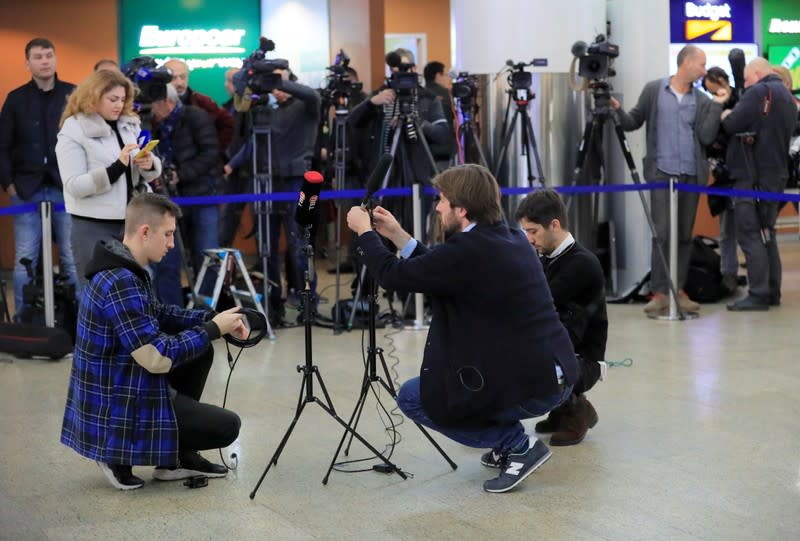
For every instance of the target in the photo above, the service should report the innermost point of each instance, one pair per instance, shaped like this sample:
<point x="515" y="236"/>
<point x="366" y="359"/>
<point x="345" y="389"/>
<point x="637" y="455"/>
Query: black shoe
<point x="518" y="466"/>
<point x="492" y="459"/>
<point x="191" y="464"/>
<point x="749" y="304"/>
<point x="121" y="476"/>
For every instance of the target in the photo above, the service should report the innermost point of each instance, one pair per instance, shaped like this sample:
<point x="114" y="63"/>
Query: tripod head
<point x="601" y="94"/>
<point x="520" y="80"/>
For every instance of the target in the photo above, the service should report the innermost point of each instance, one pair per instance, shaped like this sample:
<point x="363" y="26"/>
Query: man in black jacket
<point x="496" y="352"/>
<point x="577" y="284"/>
<point x="28" y="169"/>
<point x="438" y="82"/>
<point x="760" y="127"/>
<point x="188" y="147"/>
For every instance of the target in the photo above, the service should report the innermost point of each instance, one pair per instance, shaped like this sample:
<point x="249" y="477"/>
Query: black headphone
<point x="256" y="322"/>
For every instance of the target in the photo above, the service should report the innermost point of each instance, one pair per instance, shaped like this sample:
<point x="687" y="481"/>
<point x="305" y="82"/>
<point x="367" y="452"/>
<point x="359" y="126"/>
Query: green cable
<point x="627" y="362"/>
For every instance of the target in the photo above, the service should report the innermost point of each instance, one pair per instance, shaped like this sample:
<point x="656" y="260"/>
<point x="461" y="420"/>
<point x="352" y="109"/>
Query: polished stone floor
<point x="699" y="438"/>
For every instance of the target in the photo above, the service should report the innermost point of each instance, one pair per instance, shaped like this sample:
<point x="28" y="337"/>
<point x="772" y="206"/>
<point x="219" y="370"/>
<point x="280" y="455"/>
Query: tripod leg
<point x="626" y="151"/>
<point x="351" y="424"/>
<point x="469" y="134"/>
<point x="504" y="145"/>
<point x="389" y="386"/>
<point x="301" y="404"/>
<point x="533" y="148"/>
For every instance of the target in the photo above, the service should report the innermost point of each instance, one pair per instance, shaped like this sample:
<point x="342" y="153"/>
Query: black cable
<point x="231" y="365"/>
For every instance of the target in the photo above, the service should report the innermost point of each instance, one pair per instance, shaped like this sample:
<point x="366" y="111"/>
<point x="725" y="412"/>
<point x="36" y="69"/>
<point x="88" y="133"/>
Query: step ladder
<point x="228" y="260"/>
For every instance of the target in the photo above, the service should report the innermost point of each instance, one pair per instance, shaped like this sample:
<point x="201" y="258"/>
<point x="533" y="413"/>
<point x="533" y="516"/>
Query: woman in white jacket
<point x="96" y="152"/>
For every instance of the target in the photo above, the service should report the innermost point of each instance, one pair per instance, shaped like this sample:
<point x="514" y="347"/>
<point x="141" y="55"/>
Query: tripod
<point x="371" y="376"/>
<point x="592" y="142"/>
<point x="339" y="170"/>
<point x="262" y="184"/>
<point x="407" y="122"/>
<point x="310" y="372"/>
<point x="521" y="97"/>
<point x="467" y="133"/>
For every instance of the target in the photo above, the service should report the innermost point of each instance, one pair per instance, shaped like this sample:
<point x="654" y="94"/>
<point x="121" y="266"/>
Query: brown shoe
<point x="575" y="424"/>
<point x="552" y="423"/>
<point x="658" y="303"/>
<point x="687" y="304"/>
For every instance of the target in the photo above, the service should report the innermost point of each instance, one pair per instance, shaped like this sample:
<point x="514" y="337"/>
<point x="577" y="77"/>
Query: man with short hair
<point x="222" y="119"/>
<point x="28" y="168"/>
<point x="760" y="126"/>
<point x="681" y="122"/>
<point x="577" y="284"/>
<point x="496" y="351"/>
<point x="188" y="147"/>
<point x="139" y="366"/>
<point x="439" y="83"/>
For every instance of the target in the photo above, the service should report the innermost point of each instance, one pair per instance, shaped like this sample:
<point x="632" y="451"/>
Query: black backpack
<point x="704" y="281"/>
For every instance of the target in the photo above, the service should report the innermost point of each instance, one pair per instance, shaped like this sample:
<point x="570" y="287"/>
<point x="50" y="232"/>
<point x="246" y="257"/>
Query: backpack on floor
<point x="704" y="280"/>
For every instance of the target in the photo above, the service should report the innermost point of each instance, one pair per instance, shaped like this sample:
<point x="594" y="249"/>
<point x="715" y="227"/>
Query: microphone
<point x="306" y="211"/>
<point x="375" y="179"/>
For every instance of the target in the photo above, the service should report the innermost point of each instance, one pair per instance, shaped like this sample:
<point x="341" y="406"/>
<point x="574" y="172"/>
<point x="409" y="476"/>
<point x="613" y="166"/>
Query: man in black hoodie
<point x="760" y="127"/>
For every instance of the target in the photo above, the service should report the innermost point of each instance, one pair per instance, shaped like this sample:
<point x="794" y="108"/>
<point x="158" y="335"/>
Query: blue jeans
<point x="504" y="433"/>
<point x="283" y="214"/>
<point x="199" y="227"/>
<point x="28" y="240"/>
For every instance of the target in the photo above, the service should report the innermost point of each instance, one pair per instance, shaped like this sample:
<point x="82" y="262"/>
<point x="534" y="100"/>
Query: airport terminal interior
<point x="698" y="429"/>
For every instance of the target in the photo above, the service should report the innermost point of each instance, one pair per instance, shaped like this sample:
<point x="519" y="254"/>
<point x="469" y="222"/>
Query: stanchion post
<point x="419" y="299"/>
<point x="46" y="213"/>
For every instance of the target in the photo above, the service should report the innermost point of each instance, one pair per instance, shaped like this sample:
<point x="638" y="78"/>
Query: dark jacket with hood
<point x="118" y="408"/>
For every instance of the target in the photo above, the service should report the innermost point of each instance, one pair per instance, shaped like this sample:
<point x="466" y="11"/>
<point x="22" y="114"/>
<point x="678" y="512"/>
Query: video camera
<point x="465" y="87"/>
<point x="339" y="88"/>
<point x="403" y="80"/>
<point x="520" y="80"/>
<point x="150" y="80"/>
<point x="258" y="72"/>
<point x="595" y="60"/>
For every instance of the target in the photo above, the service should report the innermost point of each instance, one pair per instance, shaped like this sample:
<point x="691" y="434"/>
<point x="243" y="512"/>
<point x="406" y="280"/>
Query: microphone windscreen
<point x="393" y="59"/>
<point x="305" y="213"/>
<point x="375" y="180"/>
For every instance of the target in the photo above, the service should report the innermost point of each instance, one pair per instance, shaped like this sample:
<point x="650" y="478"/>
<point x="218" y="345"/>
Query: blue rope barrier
<point x="405" y="192"/>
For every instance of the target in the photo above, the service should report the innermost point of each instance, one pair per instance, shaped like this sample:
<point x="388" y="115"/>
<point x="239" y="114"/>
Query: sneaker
<point x="121" y="476"/>
<point x="191" y="464"/>
<point x="492" y="459"/>
<point x="659" y="302"/>
<point x="518" y="466"/>
<point x="603" y="370"/>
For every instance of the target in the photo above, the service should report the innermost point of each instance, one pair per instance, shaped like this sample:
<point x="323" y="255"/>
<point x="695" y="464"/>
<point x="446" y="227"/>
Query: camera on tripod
<point x="339" y="89"/>
<point x="257" y="78"/>
<point x="596" y="59"/>
<point x="465" y="87"/>
<point x="150" y="80"/>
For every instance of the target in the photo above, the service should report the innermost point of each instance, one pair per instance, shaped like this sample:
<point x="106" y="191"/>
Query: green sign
<point x="788" y="57"/>
<point x="211" y="36"/>
<point x="780" y="21"/>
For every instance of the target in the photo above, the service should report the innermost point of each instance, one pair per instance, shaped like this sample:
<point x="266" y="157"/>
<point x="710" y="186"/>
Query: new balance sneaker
<point x="492" y="459"/>
<point x="518" y="466"/>
<point x="121" y="476"/>
<point x="191" y="464"/>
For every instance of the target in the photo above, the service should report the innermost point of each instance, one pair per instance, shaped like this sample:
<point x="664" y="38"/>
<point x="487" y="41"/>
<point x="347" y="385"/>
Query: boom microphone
<point x="375" y="180"/>
<point x="306" y="211"/>
<point x="737" y="62"/>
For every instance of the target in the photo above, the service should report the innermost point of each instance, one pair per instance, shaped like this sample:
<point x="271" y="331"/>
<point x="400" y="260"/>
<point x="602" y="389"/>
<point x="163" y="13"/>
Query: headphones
<point x="256" y="323"/>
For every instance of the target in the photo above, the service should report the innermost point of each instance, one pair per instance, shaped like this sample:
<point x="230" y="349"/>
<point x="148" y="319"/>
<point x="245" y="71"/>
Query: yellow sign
<point x="722" y="30"/>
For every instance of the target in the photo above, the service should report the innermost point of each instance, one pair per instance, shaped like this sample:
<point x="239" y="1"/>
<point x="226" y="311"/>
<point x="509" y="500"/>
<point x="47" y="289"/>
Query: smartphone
<point x="145" y="149"/>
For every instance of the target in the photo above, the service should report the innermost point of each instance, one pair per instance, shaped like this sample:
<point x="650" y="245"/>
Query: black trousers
<point x="200" y="426"/>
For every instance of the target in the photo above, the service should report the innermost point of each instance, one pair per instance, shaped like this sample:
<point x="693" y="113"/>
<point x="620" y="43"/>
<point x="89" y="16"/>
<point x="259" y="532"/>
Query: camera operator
<point x="681" y="122"/>
<point x="716" y="81"/>
<point x="188" y="149"/>
<point x="378" y="118"/>
<point x="293" y="113"/>
<point x="222" y="119"/>
<point x="96" y="152"/>
<point x="484" y="281"/>
<point x="577" y="284"/>
<point x="794" y="145"/>
<point x="28" y="168"/>
<point x="439" y="82"/>
<point x="761" y="126"/>
<point x="139" y="366"/>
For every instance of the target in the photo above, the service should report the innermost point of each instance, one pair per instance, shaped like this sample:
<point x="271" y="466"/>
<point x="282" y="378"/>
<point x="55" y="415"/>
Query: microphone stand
<point x="310" y="371"/>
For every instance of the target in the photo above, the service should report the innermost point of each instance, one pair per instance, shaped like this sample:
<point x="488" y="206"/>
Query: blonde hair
<point x="86" y="97"/>
<point x="785" y="75"/>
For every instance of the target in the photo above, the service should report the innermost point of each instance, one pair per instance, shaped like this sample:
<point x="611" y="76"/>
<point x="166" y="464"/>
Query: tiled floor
<point x="698" y="439"/>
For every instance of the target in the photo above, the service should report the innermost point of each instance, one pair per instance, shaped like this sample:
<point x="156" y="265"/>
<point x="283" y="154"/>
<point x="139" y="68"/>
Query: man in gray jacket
<point x="681" y="121"/>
